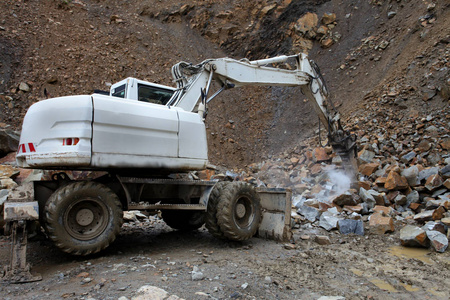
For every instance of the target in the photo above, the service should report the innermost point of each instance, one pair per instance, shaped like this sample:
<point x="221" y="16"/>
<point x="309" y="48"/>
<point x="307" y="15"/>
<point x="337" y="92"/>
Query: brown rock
<point x="446" y="221"/>
<point x="446" y="144"/>
<point x="355" y="208"/>
<point x="344" y="199"/>
<point x="289" y="246"/>
<point x="294" y="161"/>
<point x="364" y="184"/>
<point x="326" y="43"/>
<point x="433" y="182"/>
<point x="206" y="174"/>
<point x="385" y="211"/>
<point x="368" y="169"/>
<point x="320" y="154"/>
<point x="424" y="146"/>
<point x="438" y="213"/>
<point x="316" y="169"/>
<point x="316" y="189"/>
<point x="414" y="206"/>
<point x="328" y="18"/>
<point x="322" y="240"/>
<point x="447" y="183"/>
<point x="395" y="181"/>
<point x="7" y="171"/>
<point x="380" y="181"/>
<point x="306" y="23"/>
<point x="268" y="9"/>
<point x="380" y="225"/>
<point x="324" y="206"/>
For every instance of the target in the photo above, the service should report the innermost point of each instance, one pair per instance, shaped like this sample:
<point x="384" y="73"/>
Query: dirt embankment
<point x="74" y="47"/>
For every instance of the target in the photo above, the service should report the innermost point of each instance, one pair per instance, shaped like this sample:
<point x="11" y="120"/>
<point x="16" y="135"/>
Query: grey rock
<point x="196" y="274"/>
<point x="391" y="14"/>
<point x="438" y="192"/>
<point x="433" y="204"/>
<point x="435" y="226"/>
<point x="400" y="199"/>
<point x="9" y="141"/>
<point x="424" y="216"/>
<point x="445" y="171"/>
<point x="150" y="292"/>
<point x="3" y="196"/>
<point x="367" y="198"/>
<point x="408" y="157"/>
<point x="328" y="221"/>
<point x="413" y="236"/>
<point x="351" y="226"/>
<point x="310" y="213"/>
<point x="367" y="156"/>
<point x="412" y="197"/>
<point x="438" y="240"/>
<point x="24" y="87"/>
<point x="432" y="129"/>
<point x="433" y="158"/>
<point x="424" y="174"/>
<point x="412" y="175"/>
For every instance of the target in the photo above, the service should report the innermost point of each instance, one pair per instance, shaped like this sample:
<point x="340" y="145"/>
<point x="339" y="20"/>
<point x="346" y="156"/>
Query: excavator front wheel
<point x="211" y="222"/>
<point x="239" y="211"/>
<point x="83" y="218"/>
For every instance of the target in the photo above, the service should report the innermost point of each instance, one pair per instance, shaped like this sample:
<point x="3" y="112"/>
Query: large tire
<point x="83" y="218"/>
<point x="239" y="211"/>
<point x="185" y="220"/>
<point x="211" y="214"/>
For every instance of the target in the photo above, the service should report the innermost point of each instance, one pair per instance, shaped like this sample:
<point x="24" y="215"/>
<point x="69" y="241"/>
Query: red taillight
<point x="70" y="141"/>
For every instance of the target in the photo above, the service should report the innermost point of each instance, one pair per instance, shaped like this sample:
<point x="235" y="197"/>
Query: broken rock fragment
<point x="310" y="213"/>
<point x="348" y="226"/>
<point x="438" y="240"/>
<point x="413" y="236"/>
<point x="328" y="220"/>
<point x="380" y="225"/>
<point x="434" y="182"/>
<point x="322" y="240"/>
<point x="395" y="181"/>
<point x="345" y="199"/>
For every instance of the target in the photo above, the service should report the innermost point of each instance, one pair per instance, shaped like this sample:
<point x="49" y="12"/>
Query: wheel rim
<point x="86" y="218"/>
<point x="243" y="212"/>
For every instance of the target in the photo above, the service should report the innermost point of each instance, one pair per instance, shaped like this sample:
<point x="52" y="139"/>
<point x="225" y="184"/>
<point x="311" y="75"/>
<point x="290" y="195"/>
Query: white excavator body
<point x="150" y="126"/>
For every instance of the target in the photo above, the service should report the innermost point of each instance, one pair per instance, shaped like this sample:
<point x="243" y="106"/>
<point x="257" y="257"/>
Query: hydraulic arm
<point x="194" y="81"/>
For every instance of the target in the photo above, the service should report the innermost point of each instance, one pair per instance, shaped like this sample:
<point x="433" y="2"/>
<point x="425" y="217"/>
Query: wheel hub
<point x="240" y="210"/>
<point x="84" y="217"/>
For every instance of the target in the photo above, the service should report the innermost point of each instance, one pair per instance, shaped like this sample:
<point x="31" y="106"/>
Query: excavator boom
<point x="194" y="81"/>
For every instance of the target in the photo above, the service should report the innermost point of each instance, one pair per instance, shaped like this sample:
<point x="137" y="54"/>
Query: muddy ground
<point x="150" y="253"/>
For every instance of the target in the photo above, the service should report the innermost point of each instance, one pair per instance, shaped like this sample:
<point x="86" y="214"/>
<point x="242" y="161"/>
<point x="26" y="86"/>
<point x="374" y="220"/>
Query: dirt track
<point x="150" y="253"/>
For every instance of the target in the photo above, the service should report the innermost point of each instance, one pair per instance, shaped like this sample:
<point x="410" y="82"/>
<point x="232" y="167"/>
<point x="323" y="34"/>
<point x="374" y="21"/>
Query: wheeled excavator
<point x="139" y="136"/>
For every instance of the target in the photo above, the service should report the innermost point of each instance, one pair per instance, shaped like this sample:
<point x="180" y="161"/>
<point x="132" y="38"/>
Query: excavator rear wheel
<point x="239" y="211"/>
<point x="83" y="218"/>
<point x="184" y="220"/>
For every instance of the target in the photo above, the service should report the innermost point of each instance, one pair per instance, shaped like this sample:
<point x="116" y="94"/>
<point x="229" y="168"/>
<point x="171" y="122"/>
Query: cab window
<point x="153" y="94"/>
<point x="119" y="91"/>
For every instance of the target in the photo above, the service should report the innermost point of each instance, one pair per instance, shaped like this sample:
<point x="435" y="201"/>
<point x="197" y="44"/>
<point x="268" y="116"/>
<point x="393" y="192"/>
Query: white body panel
<point x="45" y="126"/>
<point x="124" y="134"/>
